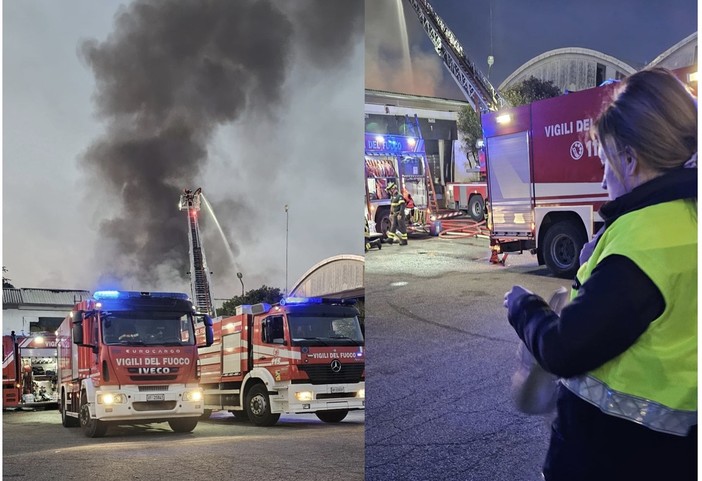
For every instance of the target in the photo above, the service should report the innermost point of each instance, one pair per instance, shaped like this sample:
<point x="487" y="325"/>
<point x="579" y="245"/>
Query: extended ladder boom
<point x="199" y="273"/>
<point x="475" y="86"/>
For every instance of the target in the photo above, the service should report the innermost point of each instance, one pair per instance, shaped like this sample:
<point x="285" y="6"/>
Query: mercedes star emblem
<point x="336" y="365"/>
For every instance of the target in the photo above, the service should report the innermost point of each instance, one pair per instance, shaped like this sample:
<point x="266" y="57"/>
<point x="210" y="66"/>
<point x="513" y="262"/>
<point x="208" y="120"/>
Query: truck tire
<point x="382" y="224"/>
<point x="334" y="416"/>
<point x="240" y="416"/>
<point x="67" y="421"/>
<point x="183" y="425"/>
<point x="91" y="427"/>
<point x="258" y="406"/>
<point x="561" y="250"/>
<point x="206" y="414"/>
<point x="476" y="208"/>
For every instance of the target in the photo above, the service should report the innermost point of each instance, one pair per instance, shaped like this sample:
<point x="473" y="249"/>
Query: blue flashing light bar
<point x="104" y="295"/>
<point x="300" y="300"/>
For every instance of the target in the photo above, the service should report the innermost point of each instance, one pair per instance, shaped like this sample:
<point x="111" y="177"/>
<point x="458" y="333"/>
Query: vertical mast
<point x="199" y="273"/>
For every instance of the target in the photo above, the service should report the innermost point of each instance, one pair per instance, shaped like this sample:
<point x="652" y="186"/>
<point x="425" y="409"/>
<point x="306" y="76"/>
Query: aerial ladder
<point x="478" y="90"/>
<point x="199" y="273"/>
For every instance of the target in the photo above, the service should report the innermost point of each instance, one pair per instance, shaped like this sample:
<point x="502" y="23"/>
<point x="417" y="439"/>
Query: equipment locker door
<point x="509" y="185"/>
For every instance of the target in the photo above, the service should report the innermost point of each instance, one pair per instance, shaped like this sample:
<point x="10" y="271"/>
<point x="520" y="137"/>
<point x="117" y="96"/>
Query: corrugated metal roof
<point x="42" y="297"/>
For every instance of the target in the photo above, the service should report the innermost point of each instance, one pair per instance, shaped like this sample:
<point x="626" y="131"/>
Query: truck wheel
<point x="241" y="416"/>
<point x="91" y="427"/>
<point x="333" y="416"/>
<point x="206" y="414"/>
<point x="382" y="224"/>
<point x="476" y="208"/>
<point x="183" y="425"/>
<point x="67" y="421"/>
<point x="561" y="249"/>
<point x="258" y="407"/>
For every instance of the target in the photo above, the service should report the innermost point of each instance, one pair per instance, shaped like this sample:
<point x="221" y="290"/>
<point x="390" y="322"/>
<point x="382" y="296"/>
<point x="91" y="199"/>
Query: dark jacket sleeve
<point x="613" y="308"/>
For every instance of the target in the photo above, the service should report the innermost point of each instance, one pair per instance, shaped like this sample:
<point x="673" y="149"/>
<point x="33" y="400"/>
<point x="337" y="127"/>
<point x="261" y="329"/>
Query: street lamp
<point x="241" y="279"/>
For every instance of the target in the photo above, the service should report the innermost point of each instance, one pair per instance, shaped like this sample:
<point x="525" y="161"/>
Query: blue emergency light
<point x="103" y="295"/>
<point x="300" y="300"/>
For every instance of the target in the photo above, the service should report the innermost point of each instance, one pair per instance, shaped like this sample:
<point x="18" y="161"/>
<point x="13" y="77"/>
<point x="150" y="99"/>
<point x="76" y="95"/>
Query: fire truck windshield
<point x="324" y="330"/>
<point x="148" y="328"/>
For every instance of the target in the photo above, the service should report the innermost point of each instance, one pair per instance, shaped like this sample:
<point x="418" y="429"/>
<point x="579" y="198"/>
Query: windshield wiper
<point x="318" y="339"/>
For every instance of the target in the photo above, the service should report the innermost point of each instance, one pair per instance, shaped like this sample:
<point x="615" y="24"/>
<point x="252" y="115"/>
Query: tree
<point x="469" y="125"/>
<point x="6" y="284"/>
<point x="530" y="90"/>
<point x="271" y="295"/>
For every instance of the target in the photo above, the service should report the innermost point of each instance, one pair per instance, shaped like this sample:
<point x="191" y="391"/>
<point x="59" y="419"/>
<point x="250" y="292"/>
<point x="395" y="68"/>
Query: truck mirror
<point x="209" y="331"/>
<point x="77" y="327"/>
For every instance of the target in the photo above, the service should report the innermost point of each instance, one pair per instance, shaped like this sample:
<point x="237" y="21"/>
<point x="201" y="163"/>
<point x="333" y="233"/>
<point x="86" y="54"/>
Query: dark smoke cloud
<point x="169" y="75"/>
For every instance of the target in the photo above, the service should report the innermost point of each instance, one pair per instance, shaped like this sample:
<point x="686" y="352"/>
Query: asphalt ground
<point x="440" y="357"/>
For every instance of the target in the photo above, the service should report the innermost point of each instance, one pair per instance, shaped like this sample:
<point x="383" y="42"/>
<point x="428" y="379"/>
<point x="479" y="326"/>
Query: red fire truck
<point x="130" y="357"/>
<point x="402" y="160"/>
<point x="304" y="355"/>
<point x="29" y="371"/>
<point x="544" y="177"/>
<point x="468" y="191"/>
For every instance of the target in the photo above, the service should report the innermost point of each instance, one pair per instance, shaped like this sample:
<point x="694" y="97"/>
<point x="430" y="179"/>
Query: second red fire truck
<point x="544" y="177"/>
<point x="29" y="371"/>
<point x="305" y="355"/>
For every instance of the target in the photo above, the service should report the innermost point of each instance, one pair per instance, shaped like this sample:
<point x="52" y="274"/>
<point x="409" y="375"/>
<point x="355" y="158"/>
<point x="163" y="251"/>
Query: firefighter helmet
<point x="390" y="186"/>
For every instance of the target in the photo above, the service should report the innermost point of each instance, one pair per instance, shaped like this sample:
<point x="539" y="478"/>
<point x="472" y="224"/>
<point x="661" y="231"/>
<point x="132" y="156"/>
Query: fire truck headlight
<point x="194" y="396"/>
<point x="304" y="396"/>
<point x="111" y="398"/>
<point x="361" y="394"/>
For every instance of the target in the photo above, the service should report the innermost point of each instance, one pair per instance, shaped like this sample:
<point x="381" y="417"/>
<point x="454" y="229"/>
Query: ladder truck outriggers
<point x="303" y="355"/>
<point x="129" y="357"/>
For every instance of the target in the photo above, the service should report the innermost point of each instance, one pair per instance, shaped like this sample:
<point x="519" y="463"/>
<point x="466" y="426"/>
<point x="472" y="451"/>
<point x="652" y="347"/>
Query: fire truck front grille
<point x="323" y="374"/>
<point x="153" y="388"/>
<point x="335" y="395"/>
<point x="154" y="378"/>
<point x="154" y="405"/>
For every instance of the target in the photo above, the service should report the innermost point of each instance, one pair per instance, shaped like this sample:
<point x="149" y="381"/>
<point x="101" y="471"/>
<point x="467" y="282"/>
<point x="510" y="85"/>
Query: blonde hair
<point x="654" y="114"/>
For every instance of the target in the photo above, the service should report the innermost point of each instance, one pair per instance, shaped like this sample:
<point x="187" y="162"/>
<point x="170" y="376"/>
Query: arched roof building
<point x="337" y="277"/>
<point x="571" y="68"/>
<point x="575" y="68"/>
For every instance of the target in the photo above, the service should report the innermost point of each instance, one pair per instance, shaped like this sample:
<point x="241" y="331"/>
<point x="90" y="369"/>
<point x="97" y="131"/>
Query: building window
<point x="600" y="75"/>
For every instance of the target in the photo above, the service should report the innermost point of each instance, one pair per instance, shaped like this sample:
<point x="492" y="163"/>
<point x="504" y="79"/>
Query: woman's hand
<point x="514" y="294"/>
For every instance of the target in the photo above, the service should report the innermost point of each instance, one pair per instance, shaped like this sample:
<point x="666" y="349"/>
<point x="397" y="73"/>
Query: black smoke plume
<point x="170" y="74"/>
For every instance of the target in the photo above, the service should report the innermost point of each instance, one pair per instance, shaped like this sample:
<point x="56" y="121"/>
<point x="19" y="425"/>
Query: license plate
<point x="155" y="397"/>
<point x="337" y="389"/>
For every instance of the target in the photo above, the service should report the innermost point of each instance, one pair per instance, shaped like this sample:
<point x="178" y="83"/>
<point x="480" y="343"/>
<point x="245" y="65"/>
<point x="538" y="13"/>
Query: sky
<point x="112" y="108"/>
<point x="513" y="32"/>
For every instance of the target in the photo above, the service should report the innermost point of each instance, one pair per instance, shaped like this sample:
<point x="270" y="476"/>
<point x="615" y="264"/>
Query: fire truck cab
<point x="304" y="355"/>
<point x="130" y="357"/>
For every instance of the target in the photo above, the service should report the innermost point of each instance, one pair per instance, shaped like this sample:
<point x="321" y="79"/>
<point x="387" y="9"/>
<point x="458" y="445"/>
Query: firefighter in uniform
<point x="626" y="345"/>
<point x="398" y="227"/>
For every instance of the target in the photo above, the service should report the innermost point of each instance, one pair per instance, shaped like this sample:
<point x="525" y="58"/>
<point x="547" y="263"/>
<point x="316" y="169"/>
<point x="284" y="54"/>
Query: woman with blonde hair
<point x="625" y="347"/>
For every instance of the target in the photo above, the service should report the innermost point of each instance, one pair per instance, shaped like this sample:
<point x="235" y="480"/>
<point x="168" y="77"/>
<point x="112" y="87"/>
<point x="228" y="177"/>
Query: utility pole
<point x="286" y="249"/>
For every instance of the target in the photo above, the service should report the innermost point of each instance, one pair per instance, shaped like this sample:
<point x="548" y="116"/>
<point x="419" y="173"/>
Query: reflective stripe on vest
<point x="651" y="414"/>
